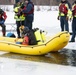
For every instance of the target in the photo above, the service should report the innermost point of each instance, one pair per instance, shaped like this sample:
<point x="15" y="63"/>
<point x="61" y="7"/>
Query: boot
<point x="3" y="33"/>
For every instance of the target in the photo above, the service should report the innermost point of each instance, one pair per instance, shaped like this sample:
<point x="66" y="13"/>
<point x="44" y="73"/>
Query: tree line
<point x="36" y="2"/>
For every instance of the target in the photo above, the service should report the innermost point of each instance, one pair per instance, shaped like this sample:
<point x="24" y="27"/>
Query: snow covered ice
<point x="20" y="67"/>
<point x="45" y="20"/>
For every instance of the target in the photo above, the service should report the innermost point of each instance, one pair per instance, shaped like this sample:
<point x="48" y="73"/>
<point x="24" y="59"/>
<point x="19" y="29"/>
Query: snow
<point x="45" y="20"/>
<point x="20" y="67"/>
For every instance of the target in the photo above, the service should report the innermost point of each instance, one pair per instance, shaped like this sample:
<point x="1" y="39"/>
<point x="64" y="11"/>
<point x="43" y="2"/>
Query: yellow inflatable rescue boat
<point x="54" y="43"/>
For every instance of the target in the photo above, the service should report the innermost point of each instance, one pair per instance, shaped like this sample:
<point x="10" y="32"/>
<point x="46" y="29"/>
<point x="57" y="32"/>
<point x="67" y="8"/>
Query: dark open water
<point x="63" y="57"/>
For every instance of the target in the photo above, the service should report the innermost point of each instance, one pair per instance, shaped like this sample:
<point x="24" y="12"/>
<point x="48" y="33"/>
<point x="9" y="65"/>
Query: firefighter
<point x="29" y="11"/>
<point x="3" y="17"/>
<point x="73" y="22"/>
<point x="20" y="18"/>
<point x="63" y="15"/>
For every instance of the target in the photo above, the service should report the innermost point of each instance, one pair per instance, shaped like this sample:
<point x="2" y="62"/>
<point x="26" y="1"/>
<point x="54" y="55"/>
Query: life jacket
<point x="25" y="40"/>
<point x="74" y="11"/>
<point x="3" y="15"/>
<point x="32" y="10"/>
<point x="18" y="15"/>
<point x="10" y="35"/>
<point x="24" y="9"/>
<point x="63" y="9"/>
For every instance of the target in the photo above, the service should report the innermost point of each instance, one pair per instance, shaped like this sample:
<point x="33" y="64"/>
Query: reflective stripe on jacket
<point x="18" y="17"/>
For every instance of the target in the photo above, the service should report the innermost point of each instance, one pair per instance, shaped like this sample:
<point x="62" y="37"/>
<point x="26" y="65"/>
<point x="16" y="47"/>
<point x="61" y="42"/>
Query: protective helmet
<point x="26" y="30"/>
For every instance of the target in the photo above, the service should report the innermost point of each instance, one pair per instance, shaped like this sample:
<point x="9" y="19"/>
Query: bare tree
<point x="37" y="2"/>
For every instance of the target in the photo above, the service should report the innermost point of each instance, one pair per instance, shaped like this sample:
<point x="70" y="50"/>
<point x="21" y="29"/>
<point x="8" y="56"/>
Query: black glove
<point x="21" y="13"/>
<point x="58" y="18"/>
<point x="18" y="14"/>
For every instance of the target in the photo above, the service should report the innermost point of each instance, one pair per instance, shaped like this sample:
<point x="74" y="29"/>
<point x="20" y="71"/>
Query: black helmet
<point x="26" y="30"/>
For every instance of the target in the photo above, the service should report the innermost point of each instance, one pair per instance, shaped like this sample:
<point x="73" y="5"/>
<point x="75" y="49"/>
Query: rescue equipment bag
<point x="10" y="35"/>
<point x="32" y="38"/>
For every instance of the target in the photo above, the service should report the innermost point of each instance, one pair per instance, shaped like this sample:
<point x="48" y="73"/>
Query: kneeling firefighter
<point x="29" y="37"/>
<point x="26" y="32"/>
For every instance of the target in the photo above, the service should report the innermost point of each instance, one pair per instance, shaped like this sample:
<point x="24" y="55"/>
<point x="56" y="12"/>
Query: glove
<point x="2" y="22"/>
<point x="70" y="19"/>
<point x="58" y="18"/>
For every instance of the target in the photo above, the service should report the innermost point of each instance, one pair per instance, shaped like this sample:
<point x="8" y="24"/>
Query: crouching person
<point x="29" y="37"/>
<point x="3" y="17"/>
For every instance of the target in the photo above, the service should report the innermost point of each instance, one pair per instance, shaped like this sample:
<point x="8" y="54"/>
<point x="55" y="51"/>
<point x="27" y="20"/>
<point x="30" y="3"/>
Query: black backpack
<point x="32" y="38"/>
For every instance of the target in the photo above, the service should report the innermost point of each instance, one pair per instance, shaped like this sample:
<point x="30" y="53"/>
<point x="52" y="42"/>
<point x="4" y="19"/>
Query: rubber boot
<point x="3" y="33"/>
